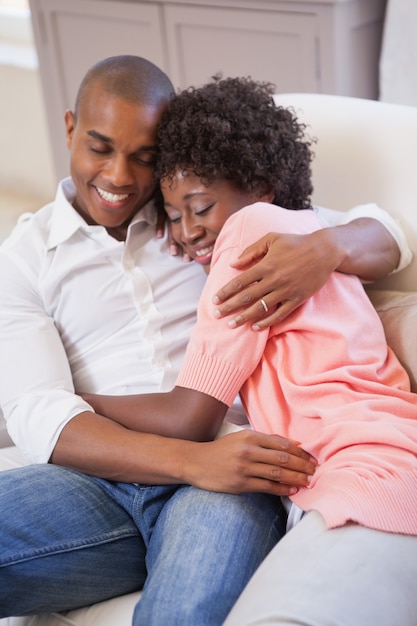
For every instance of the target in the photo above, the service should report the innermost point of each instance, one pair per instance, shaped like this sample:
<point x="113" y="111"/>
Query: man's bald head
<point x="129" y="77"/>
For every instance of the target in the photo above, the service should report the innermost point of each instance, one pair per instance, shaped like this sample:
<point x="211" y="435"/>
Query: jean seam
<point x="69" y="547"/>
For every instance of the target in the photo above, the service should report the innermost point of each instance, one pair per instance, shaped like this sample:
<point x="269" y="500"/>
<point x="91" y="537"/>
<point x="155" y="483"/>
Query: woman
<point x="324" y="377"/>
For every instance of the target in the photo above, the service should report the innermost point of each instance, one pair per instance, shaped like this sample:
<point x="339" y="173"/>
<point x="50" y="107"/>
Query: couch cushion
<point x="398" y="312"/>
<point x="4" y="435"/>
<point x="115" y="612"/>
<point x="11" y="457"/>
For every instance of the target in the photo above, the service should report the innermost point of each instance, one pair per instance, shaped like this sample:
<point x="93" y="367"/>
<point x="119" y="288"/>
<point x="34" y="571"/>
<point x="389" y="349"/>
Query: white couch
<point x="366" y="152"/>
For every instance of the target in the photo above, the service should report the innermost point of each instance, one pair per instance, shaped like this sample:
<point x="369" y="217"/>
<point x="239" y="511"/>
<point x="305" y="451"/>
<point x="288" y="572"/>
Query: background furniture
<point x="398" y="76"/>
<point x="327" y="46"/>
<point x="366" y="151"/>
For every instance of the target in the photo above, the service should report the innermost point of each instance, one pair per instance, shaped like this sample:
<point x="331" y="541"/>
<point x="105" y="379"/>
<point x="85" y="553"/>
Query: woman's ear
<point x="267" y="197"/>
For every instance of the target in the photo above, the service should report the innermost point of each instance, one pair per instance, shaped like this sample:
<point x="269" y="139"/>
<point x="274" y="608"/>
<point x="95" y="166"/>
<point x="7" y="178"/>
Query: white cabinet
<point x="280" y="47"/>
<point x="327" y="46"/>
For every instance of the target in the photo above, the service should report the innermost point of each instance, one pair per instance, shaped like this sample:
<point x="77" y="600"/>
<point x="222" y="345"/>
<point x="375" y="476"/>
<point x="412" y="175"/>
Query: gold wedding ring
<point x="264" y="304"/>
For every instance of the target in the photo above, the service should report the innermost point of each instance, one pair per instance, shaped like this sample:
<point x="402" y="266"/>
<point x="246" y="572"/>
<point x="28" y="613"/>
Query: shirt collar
<point x="65" y="220"/>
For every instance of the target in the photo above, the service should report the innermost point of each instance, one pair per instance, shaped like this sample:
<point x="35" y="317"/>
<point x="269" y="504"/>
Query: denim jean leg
<point x="204" y="548"/>
<point x="64" y="542"/>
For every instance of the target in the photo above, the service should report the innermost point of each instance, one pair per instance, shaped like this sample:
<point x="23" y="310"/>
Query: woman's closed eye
<point x="176" y="219"/>
<point x="205" y="210"/>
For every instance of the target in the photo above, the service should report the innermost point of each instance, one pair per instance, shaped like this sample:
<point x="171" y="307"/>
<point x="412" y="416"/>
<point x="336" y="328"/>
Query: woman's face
<point x="197" y="212"/>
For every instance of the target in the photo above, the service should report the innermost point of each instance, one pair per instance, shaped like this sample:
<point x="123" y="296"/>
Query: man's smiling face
<point x="113" y="147"/>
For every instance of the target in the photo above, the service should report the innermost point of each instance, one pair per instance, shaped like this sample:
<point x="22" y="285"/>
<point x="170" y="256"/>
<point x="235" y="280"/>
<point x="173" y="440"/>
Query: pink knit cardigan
<point x="324" y="377"/>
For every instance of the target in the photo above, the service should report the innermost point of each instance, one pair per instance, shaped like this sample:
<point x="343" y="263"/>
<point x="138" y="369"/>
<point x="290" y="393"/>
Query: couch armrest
<point x="398" y="312"/>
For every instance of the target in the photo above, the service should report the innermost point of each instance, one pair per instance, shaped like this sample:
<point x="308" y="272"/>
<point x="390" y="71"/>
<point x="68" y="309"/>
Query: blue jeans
<point x="69" y="540"/>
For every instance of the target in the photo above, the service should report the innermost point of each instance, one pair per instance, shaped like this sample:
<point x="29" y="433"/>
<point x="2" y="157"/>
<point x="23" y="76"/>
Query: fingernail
<point x="173" y="250"/>
<point x="217" y="313"/>
<point x="216" y="300"/>
<point x="256" y="327"/>
<point x="232" y="324"/>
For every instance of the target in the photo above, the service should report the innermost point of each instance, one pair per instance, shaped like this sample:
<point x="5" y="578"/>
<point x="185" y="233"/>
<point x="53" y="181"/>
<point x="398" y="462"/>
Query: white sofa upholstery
<point x="366" y="152"/>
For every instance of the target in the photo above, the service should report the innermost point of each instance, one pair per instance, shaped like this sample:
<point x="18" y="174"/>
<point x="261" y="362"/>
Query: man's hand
<point x="284" y="270"/>
<point x="248" y="461"/>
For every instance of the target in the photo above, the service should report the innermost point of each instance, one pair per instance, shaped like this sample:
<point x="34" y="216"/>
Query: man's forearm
<point x="237" y="463"/>
<point x="370" y="251"/>
<point x="99" y="446"/>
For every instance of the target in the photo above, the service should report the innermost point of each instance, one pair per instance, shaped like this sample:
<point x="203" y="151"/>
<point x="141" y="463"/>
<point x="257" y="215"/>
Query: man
<point x="91" y="301"/>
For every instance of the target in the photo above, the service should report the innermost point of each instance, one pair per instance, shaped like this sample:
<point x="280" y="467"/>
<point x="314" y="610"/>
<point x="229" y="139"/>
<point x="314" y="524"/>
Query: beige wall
<point x="25" y="154"/>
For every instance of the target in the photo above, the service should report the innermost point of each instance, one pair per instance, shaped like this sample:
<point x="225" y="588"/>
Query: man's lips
<point x="112" y="198"/>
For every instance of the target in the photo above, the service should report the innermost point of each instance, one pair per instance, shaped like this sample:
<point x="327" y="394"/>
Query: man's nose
<point x="118" y="171"/>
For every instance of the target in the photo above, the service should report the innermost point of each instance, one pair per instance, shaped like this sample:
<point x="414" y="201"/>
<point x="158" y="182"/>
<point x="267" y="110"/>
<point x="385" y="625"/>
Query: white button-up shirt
<point x="81" y="311"/>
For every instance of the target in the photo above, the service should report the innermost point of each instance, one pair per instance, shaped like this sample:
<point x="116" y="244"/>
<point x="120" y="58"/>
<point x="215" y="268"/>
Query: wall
<point x="25" y="153"/>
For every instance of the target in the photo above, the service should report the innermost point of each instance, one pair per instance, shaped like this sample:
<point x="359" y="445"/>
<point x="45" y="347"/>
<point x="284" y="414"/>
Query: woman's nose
<point x="191" y="230"/>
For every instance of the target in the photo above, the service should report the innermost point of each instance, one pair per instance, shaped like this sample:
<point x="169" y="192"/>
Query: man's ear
<point x="69" y="127"/>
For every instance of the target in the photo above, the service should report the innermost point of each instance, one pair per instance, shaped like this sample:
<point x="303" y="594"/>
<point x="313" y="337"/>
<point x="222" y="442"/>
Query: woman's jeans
<point x="69" y="540"/>
<point x="345" y="576"/>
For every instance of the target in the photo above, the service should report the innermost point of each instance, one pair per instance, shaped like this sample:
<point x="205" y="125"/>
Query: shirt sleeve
<point x="337" y="218"/>
<point x="37" y="395"/>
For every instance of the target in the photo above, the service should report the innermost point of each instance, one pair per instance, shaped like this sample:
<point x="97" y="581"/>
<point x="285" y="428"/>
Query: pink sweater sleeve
<point x="218" y="359"/>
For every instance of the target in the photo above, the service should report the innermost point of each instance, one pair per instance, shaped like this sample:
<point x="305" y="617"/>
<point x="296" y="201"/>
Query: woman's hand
<point x="248" y="461"/>
<point x="284" y="270"/>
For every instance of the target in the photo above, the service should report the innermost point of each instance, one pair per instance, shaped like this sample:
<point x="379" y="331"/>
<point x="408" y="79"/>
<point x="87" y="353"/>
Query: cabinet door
<point x="71" y="36"/>
<point x="276" y="46"/>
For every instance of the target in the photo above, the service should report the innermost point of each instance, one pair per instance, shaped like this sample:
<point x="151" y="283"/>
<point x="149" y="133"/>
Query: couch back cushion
<point x="366" y="151"/>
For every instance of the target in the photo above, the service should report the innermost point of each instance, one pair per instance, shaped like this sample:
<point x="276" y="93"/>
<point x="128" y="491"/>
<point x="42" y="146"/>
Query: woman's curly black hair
<point x="231" y="129"/>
